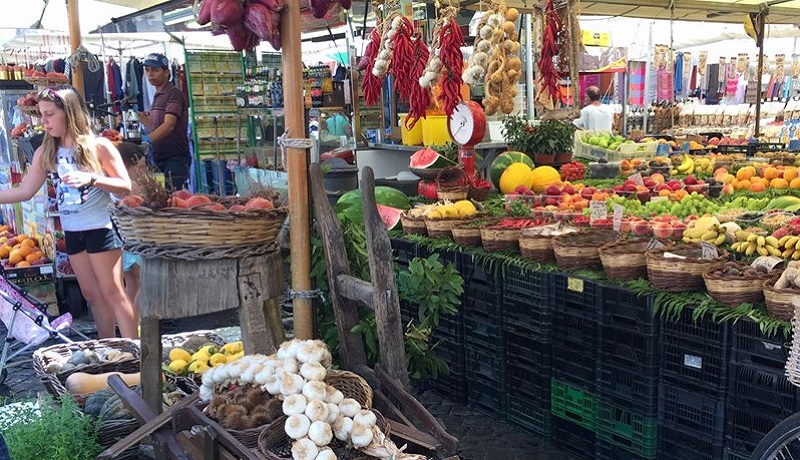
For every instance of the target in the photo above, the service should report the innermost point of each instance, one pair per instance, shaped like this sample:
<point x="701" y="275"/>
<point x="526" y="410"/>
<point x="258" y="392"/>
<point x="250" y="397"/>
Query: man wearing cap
<point x="167" y="121"/>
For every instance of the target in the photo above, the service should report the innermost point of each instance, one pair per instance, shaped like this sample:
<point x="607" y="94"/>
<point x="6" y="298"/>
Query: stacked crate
<point x="627" y="377"/>
<point x="528" y="334"/>
<point x="693" y="386"/>
<point x="759" y="396"/>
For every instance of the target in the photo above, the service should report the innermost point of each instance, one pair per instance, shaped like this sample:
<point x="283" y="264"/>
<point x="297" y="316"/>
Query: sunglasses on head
<point x="49" y="94"/>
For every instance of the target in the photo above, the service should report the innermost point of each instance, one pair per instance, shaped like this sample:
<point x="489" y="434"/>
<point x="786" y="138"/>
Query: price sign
<point x="659" y="198"/>
<point x="597" y="211"/>
<point x="636" y="178"/>
<point x="654" y="244"/>
<point x="709" y="250"/>
<point x="618" y="209"/>
<point x="769" y="262"/>
<point x="575" y="284"/>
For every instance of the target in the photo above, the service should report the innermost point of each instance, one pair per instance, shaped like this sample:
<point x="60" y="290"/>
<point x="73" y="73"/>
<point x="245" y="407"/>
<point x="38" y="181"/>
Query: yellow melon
<point x="542" y="177"/>
<point x="515" y="175"/>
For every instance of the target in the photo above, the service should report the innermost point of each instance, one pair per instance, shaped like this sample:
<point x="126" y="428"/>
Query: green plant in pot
<point x="551" y="141"/>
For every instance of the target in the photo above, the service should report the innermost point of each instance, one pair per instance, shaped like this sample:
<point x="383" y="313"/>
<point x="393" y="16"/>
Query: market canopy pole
<point x="75" y="42"/>
<point x="758" y="20"/>
<point x="297" y="167"/>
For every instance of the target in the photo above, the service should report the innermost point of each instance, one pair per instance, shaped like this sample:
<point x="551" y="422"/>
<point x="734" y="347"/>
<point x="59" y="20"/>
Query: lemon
<point x="179" y="353"/>
<point x="208" y="349"/>
<point x="178" y="366"/>
<point x="198" y="367"/>
<point x="465" y="208"/>
<point x="200" y="356"/>
<point x="435" y="214"/>
<point x="233" y="347"/>
<point x="217" y="359"/>
<point x="449" y="211"/>
<point x="235" y="356"/>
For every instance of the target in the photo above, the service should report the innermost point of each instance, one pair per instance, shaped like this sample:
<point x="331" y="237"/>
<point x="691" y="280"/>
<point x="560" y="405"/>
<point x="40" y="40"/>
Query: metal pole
<point x="530" y="92"/>
<point x="647" y="73"/>
<point x="759" y="71"/>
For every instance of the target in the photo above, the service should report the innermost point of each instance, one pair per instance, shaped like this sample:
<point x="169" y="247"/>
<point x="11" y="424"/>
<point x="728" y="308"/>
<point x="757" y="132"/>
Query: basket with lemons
<point x="182" y="361"/>
<point x="440" y="217"/>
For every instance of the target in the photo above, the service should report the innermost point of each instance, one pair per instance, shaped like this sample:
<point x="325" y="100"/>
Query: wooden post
<point x="75" y="42"/>
<point x="297" y="167"/>
<point x="758" y="21"/>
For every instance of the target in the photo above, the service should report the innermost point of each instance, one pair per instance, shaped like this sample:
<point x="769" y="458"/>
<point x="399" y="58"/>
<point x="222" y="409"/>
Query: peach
<point x="662" y="230"/>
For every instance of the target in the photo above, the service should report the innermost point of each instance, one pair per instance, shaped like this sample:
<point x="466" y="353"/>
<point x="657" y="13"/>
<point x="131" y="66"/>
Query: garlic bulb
<point x="316" y="410"/>
<point x="397" y="22"/>
<point x="486" y="31"/>
<point x="297" y="426"/>
<point x="333" y="413"/>
<point x="342" y="428"/>
<point x="361" y="436"/>
<point x="483" y="46"/>
<point x="384" y="55"/>
<point x="290" y="366"/>
<point x="291" y="384"/>
<point x="206" y="393"/>
<point x="263" y="375"/>
<point x="272" y="385"/>
<point x="294" y="404"/>
<point x="349" y="407"/>
<point x="249" y="375"/>
<point x="304" y="449"/>
<point x="326" y="454"/>
<point x="313" y="371"/>
<point x="333" y="395"/>
<point x="288" y="350"/>
<point x="320" y="433"/>
<point x="315" y="390"/>
<point x="366" y="418"/>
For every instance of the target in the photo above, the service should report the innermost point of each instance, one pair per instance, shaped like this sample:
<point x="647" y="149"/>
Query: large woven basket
<point x="110" y="432"/>
<point x="779" y="302"/>
<point x="351" y="385"/>
<point x="626" y="260"/>
<point x="735" y="291"/>
<point x="499" y="238"/>
<point x="680" y="275"/>
<point x="198" y="233"/>
<point x="466" y="234"/>
<point x="451" y="190"/>
<point x="413" y="225"/>
<point x="191" y="382"/>
<point x="30" y="110"/>
<point x="441" y="228"/>
<point x="54" y="382"/>
<point x="579" y="251"/>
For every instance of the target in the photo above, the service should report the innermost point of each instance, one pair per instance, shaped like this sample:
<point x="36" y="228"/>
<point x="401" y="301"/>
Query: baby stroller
<point x="28" y="325"/>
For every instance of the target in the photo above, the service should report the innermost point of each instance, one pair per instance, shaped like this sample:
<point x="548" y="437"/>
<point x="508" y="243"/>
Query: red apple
<point x="552" y="190"/>
<point x="629" y="187"/>
<point x="568" y="189"/>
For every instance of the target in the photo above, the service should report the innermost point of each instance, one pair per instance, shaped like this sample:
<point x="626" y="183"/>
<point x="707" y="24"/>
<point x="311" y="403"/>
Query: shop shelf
<point x="480" y="335"/>
<point x="488" y="366"/>
<point x="696" y="414"/>
<point x="747" y="424"/>
<point x="524" y="381"/>
<point x="529" y="347"/>
<point x="675" y="444"/>
<point x="605" y="450"/>
<point x="751" y="346"/>
<point x="763" y="387"/>
<point x="532" y="415"/>
<point x="625" y="309"/>
<point x="620" y="424"/>
<point x="570" y="403"/>
<point x="576" y="295"/>
<point x="627" y="349"/>
<point x="526" y="287"/>
<point x="628" y="384"/>
<point x="486" y="396"/>
<point x="575" y="440"/>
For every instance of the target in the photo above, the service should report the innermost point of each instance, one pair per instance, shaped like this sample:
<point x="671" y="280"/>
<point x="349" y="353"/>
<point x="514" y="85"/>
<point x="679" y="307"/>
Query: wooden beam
<point x="75" y="42"/>
<point x="355" y="289"/>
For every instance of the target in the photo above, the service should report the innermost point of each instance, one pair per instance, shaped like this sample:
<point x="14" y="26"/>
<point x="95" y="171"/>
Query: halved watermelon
<point x="428" y="158"/>
<point x="505" y="160"/>
<point x="350" y="203"/>
<point x="390" y="216"/>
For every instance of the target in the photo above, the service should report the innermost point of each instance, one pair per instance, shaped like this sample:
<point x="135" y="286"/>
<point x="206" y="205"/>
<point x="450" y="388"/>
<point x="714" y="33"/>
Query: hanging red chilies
<point x="403" y="59"/>
<point x="370" y="84"/>
<point x="450" y="42"/>
<point x="420" y="97"/>
<point x="547" y="70"/>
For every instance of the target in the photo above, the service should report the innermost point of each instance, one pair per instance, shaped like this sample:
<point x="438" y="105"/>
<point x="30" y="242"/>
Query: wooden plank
<point x="411" y="434"/>
<point x="385" y="299"/>
<point x="351" y="347"/>
<point x="151" y="360"/>
<point x="188" y="416"/>
<point x="260" y="278"/>
<point x="355" y="289"/>
<point x="386" y="407"/>
<point x="191" y="444"/>
<point x="272" y="312"/>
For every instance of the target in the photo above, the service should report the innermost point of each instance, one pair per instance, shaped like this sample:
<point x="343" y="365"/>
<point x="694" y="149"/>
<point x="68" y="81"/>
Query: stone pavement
<point x="481" y="437"/>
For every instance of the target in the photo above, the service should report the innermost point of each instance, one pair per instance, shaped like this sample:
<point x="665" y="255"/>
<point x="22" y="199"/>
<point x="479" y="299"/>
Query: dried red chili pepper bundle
<point x="548" y="75"/>
<point x="451" y="40"/>
<point x="403" y="59"/>
<point x="420" y="97"/>
<point x="371" y="84"/>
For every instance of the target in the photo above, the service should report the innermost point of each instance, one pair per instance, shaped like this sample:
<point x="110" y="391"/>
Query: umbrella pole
<point x="75" y="42"/>
<point x="759" y="20"/>
<point x="297" y="167"/>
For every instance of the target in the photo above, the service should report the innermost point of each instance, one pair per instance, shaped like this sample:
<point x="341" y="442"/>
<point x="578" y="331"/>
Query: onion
<point x="320" y="433"/>
<point x="304" y="449"/>
<point x="361" y="436"/>
<point x="297" y="426"/>
<point x="294" y="404"/>
<point x="315" y="390"/>
<point x="342" y="428"/>
<point x="313" y="371"/>
<point x="349" y="407"/>
<point x="316" y="410"/>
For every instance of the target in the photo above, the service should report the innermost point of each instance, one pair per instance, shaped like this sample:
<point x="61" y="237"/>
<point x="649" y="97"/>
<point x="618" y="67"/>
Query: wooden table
<point x="172" y="289"/>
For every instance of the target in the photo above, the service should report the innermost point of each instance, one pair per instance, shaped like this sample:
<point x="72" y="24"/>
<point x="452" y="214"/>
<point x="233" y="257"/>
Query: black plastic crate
<point x="529" y="347"/>
<point x="704" y="330"/>
<point x="453" y="387"/>
<point x="479" y="271"/>
<point x="451" y="351"/>
<point x="485" y="396"/>
<point x="696" y="353"/>
<point x="675" y="444"/>
<point x="628" y="384"/>
<point x="524" y="380"/>
<point x="577" y="441"/>
<point x="488" y="310"/>
<point x="627" y="349"/>
<point x="527" y="287"/>
<point x="574" y="331"/>
<point x="763" y="387"/>
<point x="622" y="308"/>
<point x="450" y="325"/>
<point x="730" y="454"/>
<point x="404" y="251"/>
<point x="627" y="425"/>
<point x="751" y="346"/>
<point x="604" y="450"/>
<point x="409" y="312"/>
<point x="534" y="319"/>
<point x="531" y="414"/>
<point x="696" y="414"/>
<point x="489" y="366"/>
<point x="747" y="425"/>
<point x="479" y="335"/>
<point x="445" y="256"/>
<point x="576" y="295"/>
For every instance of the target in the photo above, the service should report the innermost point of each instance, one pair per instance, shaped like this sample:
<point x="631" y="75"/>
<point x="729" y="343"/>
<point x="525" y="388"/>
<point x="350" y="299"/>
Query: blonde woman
<point x="98" y="171"/>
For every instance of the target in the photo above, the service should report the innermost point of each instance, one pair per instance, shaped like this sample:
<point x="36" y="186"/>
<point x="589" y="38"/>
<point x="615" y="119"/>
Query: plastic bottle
<point x="72" y="196"/>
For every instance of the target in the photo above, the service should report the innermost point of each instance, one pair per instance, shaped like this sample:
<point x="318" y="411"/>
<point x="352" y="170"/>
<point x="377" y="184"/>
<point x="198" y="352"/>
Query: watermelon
<point x="428" y="158"/>
<point x="390" y="216"/>
<point x="505" y="160"/>
<point x="349" y="204"/>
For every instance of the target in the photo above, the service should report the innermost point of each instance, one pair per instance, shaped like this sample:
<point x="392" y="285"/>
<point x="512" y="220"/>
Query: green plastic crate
<point x="572" y="404"/>
<point x="623" y="427"/>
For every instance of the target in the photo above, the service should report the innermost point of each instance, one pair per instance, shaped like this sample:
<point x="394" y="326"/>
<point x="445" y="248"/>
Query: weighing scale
<point x="467" y="126"/>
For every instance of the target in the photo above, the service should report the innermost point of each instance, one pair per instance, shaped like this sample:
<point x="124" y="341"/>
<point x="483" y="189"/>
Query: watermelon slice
<point x="503" y="161"/>
<point x="349" y="204"/>
<point x="390" y="216"/>
<point x="428" y="158"/>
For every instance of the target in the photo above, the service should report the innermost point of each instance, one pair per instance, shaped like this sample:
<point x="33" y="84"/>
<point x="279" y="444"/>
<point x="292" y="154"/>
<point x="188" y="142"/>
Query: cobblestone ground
<point x="481" y="437"/>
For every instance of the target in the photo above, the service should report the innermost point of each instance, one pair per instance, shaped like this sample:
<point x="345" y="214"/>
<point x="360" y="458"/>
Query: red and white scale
<point x="467" y="126"/>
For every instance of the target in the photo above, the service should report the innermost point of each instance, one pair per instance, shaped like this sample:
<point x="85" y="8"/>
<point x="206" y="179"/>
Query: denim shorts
<point x="129" y="259"/>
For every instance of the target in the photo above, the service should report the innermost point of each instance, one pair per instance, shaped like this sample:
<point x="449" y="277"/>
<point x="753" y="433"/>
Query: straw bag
<point x="681" y="275"/>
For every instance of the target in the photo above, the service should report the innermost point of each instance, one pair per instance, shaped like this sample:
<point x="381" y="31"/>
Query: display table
<point x="172" y="289"/>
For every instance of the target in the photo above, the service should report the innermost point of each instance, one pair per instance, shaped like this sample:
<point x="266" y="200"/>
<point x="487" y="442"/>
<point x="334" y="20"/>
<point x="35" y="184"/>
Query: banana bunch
<point x="750" y="244"/>
<point x="791" y="248"/>
<point x="714" y="234"/>
<point x="687" y="164"/>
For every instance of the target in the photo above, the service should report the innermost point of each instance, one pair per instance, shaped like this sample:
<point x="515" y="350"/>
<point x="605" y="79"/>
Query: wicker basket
<point x="202" y="232"/>
<point x="352" y="386"/>
<point x="626" y="260"/>
<point x="54" y="382"/>
<point x="499" y="238"/>
<point x="451" y="190"/>
<point x="579" y="251"/>
<point x="441" y="228"/>
<point x="110" y="432"/>
<point x="680" y="275"/>
<point x="191" y="382"/>
<point x="779" y="302"/>
<point x="465" y="234"/>
<point x="479" y="194"/>
<point x="735" y="291"/>
<point x="536" y="247"/>
<point x="413" y="225"/>
<point x="47" y="81"/>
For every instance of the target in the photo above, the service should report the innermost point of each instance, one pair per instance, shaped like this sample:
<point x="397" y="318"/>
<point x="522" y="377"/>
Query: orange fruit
<point x="15" y="257"/>
<point x="779" y="183"/>
<point x="4" y="252"/>
<point x="743" y="184"/>
<point x="790" y="174"/>
<point x="770" y="173"/>
<point x="32" y="258"/>
<point x="29" y="243"/>
<point x="757" y="187"/>
<point x="25" y="251"/>
<point x="795" y="183"/>
<point x="23" y="264"/>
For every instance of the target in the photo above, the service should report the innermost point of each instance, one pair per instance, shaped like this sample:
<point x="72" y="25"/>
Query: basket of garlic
<point x="315" y="402"/>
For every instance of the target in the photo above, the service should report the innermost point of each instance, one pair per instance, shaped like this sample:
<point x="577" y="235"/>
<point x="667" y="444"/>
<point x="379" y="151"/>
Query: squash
<point x="94" y="403"/>
<point x="542" y="177"/>
<point x="81" y="383"/>
<point x="114" y="409"/>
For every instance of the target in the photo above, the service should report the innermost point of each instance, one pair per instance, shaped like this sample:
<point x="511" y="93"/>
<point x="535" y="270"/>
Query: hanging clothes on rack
<point x="148" y="93"/>
<point x="678" y="86"/>
<point x="114" y="77"/>
<point x="134" y="71"/>
<point x="712" y="91"/>
<point x="93" y="86"/>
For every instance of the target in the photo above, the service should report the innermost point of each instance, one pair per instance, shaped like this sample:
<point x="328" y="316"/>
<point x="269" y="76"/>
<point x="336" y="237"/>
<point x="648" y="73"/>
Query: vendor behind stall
<point x="595" y="116"/>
